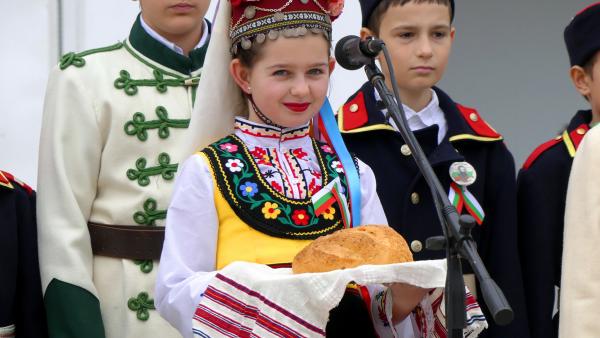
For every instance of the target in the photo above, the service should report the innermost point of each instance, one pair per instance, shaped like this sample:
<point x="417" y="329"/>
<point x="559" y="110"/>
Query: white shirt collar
<point x="172" y="46"/>
<point x="427" y="117"/>
<point x="259" y="134"/>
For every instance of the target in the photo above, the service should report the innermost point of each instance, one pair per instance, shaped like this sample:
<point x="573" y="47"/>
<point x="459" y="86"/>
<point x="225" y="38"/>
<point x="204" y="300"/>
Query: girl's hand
<point x="405" y="298"/>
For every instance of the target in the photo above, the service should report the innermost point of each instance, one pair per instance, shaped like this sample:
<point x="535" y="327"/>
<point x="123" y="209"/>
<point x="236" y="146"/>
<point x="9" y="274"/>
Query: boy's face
<point x="174" y="18"/>
<point x="419" y="38"/>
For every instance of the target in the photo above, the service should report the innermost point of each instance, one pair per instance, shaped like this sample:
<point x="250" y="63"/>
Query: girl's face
<point x="288" y="80"/>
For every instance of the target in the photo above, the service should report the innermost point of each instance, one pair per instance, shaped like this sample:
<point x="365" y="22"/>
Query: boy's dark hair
<point x="374" y="21"/>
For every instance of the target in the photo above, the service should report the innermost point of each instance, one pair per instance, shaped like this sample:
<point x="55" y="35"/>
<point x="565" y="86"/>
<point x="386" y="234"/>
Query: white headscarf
<point x="218" y="98"/>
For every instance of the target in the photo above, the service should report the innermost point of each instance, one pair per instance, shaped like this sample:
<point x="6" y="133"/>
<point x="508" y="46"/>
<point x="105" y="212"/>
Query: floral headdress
<point x="259" y="20"/>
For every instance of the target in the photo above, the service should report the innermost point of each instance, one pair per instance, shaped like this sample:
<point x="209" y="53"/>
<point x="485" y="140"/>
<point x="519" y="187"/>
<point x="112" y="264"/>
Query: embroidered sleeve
<point x="380" y="298"/>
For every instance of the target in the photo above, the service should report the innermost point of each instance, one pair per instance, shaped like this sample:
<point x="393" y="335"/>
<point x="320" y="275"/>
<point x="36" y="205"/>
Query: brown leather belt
<point x="126" y="241"/>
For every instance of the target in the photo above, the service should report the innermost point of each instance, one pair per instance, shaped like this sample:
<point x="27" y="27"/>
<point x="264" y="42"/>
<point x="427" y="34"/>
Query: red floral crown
<point x="257" y="20"/>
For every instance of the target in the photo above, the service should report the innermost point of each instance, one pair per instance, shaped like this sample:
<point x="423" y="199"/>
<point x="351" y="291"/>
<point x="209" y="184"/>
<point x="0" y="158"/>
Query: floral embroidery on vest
<point x="263" y="206"/>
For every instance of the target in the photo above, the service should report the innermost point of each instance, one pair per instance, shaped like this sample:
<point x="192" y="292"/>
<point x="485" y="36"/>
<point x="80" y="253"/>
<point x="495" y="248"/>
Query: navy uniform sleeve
<point x="30" y="306"/>
<point x="8" y="260"/>
<point x="541" y="205"/>
<point x="499" y="243"/>
<point x="22" y="304"/>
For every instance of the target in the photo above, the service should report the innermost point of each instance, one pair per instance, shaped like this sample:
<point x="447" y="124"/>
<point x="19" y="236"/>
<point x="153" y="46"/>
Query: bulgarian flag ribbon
<point x="329" y="130"/>
<point x="328" y="195"/>
<point x="461" y="198"/>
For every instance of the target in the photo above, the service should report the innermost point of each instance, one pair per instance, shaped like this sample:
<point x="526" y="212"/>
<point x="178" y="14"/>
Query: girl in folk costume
<point x="248" y="196"/>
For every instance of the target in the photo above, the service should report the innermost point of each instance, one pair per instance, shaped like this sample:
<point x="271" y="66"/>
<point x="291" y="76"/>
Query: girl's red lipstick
<point x="297" y="107"/>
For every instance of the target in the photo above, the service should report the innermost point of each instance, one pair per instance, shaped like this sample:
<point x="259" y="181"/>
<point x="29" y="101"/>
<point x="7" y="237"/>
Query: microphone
<point x="353" y="53"/>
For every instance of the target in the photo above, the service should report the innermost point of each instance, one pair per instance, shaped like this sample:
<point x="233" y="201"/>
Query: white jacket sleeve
<point x="69" y="162"/>
<point x="189" y="252"/>
<point x="580" y="291"/>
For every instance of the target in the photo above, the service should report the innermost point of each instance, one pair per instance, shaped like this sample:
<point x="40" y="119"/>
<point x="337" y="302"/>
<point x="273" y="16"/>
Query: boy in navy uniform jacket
<point x="419" y="36"/>
<point x="21" y="305"/>
<point x="542" y="185"/>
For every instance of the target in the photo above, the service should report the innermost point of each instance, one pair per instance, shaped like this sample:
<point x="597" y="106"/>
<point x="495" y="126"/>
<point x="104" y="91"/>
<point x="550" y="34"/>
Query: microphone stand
<point x="457" y="240"/>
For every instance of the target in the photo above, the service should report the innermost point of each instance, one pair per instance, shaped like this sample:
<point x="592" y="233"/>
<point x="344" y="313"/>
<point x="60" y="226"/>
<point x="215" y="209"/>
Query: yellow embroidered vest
<point x="239" y="242"/>
<point x="256" y="223"/>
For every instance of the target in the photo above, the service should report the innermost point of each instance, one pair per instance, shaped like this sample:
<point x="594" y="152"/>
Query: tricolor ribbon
<point x="461" y="198"/>
<point x="329" y="129"/>
<point x="329" y="194"/>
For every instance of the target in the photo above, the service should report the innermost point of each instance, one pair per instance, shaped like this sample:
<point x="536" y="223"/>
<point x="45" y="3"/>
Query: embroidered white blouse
<point x="287" y="160"/>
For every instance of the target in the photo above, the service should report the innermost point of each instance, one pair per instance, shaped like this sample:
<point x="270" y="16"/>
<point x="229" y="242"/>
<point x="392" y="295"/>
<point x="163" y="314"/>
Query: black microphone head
<point x="347" y="52"/>
<point x="372" y="47"/>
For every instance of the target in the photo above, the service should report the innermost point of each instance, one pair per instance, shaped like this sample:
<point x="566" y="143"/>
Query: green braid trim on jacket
<point x="146" y="266"/>
<point x="77" y="60"/>
<point x="130" y="86"/>
<point x="140" y="305"/>
<point x="150" y="214"/>
<point x="142" y="174"/>
<point x="142" y="60"/>
<point x="138" y="125"/>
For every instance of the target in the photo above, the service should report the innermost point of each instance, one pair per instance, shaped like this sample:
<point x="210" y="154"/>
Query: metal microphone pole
<point x="457" y="240"/>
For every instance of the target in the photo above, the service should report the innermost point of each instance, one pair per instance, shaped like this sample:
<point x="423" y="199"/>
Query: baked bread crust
<point x="349" y="248"/>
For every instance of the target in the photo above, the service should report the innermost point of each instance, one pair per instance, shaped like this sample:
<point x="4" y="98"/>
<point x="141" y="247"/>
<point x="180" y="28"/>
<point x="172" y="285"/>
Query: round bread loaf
<point x="349" y="248"/>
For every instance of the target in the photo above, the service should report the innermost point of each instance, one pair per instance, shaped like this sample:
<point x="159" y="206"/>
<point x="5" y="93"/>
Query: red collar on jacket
<point x="361" y="113"/>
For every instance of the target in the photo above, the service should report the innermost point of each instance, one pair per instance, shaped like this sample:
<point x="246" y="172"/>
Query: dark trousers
<point x="350" y="318"/>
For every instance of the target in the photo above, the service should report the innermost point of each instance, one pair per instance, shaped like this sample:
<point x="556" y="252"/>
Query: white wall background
<point x="509" y="61"/>
<point x="29" y="47"/>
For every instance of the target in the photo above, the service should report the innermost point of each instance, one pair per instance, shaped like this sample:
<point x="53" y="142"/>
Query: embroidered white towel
<point x="254" y="300"/>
